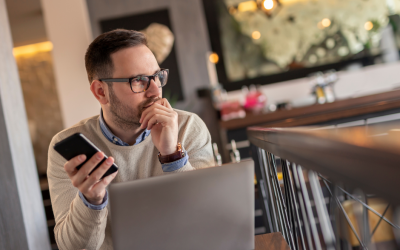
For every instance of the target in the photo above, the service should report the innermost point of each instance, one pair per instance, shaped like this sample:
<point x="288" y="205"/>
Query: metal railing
<point x="322" y="173"/>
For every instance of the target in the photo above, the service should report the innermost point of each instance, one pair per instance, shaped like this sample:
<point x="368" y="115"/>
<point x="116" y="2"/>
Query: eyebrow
<point x="158" y="70"/>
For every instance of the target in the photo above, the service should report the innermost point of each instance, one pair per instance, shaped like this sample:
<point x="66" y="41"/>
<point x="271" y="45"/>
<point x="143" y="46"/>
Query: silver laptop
<point x="210" y="208"/>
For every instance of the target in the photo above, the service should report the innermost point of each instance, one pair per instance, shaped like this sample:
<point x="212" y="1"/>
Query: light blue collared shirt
<point x="166" y="167"/>
<point x="114" y="139"/>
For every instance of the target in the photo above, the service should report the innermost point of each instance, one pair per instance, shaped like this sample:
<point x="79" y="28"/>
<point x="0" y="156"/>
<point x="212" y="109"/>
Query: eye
<point x="140" y="81"/>
<point x="136" y="82"/>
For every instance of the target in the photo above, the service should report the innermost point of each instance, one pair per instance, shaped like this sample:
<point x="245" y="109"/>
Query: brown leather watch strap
<point x="179" y="154"/>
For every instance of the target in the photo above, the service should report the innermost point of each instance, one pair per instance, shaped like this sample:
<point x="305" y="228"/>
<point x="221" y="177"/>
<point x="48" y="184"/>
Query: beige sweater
<point x="79" y="227"/>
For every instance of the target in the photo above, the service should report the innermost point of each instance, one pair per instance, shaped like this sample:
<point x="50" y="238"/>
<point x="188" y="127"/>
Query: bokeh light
<point x="268" y="4"/>
<point x="369" y="25"/>
<point x="326" y="22"/>
<point x="214" y="58"/>
<point x="256" y="35"/>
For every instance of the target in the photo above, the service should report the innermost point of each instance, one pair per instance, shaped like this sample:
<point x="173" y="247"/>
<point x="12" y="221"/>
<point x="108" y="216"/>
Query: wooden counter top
<point x="272" y="241"/>
<point x="320" y="112"/>
<point x="353" y="156"/>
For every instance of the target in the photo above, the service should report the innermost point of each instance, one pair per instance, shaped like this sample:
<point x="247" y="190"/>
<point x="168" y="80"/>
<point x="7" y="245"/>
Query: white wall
<point x="68" y="28"/>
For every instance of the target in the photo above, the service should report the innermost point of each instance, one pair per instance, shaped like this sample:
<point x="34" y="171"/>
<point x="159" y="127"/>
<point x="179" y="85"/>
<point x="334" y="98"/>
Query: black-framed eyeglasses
<point x="141" y="83"/>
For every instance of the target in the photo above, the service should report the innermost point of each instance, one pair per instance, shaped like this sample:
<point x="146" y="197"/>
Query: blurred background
<point x="289" y="52"/>
<point x="235" y="63"/>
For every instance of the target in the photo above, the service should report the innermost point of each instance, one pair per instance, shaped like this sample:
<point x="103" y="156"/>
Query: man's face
<point x="126" y="106"/>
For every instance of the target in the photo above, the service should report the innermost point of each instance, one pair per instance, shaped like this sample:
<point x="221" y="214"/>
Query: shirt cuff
<point x="95" y="207"/>
<point x="175" y="165"/>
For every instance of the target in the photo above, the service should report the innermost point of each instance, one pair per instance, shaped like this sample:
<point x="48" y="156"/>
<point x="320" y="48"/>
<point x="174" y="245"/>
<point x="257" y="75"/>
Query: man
<point x="136" y="128"/>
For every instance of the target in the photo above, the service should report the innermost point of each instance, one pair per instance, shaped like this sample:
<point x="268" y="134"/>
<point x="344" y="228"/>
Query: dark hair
<point x="98" y="61"/>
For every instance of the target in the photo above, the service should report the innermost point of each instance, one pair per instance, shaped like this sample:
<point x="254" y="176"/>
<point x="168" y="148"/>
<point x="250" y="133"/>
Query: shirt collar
<point x="114" y="139"/>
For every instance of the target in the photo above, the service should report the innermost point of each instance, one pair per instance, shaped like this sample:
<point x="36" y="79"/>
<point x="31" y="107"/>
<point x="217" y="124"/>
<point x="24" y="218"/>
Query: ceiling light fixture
<point x="269" y="7"/>
<point x="32" y="48"/>
<point x="268" y="4"/>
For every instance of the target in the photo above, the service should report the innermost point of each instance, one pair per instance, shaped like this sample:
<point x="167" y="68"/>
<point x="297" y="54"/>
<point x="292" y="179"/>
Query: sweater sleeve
<point x="196" y="140"/>
<point x="77" y="226"/>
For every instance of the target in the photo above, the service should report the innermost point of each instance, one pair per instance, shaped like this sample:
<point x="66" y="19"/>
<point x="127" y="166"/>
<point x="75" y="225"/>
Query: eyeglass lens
<point x="142" y="83"/>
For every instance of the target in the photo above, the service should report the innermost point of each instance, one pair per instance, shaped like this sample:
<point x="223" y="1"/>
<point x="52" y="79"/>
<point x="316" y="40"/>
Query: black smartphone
<point x="78" y="144"/>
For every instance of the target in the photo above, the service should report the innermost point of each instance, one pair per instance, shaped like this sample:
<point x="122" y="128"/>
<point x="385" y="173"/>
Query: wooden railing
<point x="331" y="178"/>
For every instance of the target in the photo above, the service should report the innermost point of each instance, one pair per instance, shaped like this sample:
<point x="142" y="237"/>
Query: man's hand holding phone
<point x="91" y="186"/>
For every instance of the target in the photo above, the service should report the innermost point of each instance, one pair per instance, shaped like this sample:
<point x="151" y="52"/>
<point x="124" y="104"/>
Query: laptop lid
<point x="210" y="208"/>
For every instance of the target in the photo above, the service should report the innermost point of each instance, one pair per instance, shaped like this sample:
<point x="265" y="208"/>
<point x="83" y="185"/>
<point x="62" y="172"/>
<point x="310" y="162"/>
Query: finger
<point x="148" y="116"/>
<point x="158" y="118"/>
<point x="104" y="182"/>
<point x="70" y="166"/>
<point x="166" y="103"/>
<point x="96" y="175"/>
<point x="171" y="113"/>
<point x="152" y="107"/>
<point x="162" y="106"/>
<point x="85" y="170"/>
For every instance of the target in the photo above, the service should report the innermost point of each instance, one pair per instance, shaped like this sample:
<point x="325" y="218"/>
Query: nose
<point x="153" y="89"/>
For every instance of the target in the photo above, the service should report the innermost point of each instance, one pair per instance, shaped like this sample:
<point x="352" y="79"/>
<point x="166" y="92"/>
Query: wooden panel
<point x="320" y="113"/>
<point x="22" y="218"/>
<point x="272" y="241"/>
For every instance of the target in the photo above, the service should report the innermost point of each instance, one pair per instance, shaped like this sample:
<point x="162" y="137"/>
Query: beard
<point x="125" y="116"/>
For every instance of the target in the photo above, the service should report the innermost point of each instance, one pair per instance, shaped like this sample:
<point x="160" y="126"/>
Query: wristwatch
<point x="179" y="154"/>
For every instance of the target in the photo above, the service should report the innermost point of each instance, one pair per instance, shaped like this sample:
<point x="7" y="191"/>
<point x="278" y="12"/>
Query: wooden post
<point x="22" y="218"/>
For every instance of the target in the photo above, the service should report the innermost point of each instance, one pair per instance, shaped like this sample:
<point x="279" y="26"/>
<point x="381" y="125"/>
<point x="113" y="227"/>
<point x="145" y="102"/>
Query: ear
<point x="99" y="90"/>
